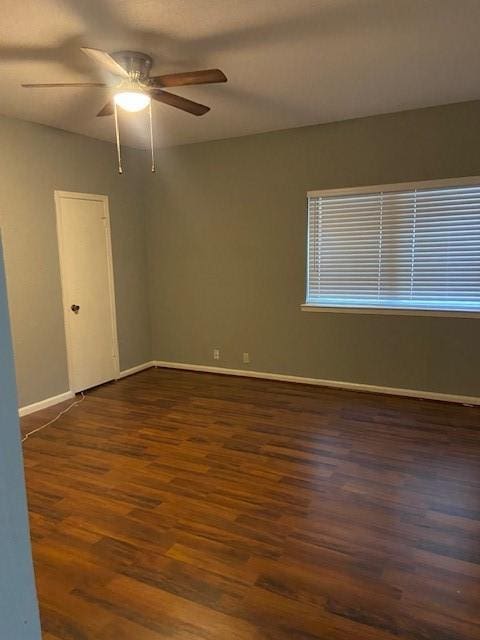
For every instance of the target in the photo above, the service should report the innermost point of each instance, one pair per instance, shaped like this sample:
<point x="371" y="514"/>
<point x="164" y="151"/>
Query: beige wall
<point x="36" y="160"/>
<point x="227" y="230"/>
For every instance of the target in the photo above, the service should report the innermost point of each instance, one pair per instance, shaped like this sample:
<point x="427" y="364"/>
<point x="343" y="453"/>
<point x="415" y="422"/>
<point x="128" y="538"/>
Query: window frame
<point x="383" y="310"/>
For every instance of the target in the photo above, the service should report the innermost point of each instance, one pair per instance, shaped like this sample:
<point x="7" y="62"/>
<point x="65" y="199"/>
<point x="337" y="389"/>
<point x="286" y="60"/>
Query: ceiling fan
<point x="136" y="87"/>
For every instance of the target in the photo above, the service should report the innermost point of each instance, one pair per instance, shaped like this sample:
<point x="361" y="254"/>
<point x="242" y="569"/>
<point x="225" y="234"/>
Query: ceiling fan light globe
<point x="132" y="101"/>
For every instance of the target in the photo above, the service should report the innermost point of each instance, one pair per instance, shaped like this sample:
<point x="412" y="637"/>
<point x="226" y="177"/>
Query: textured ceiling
<point x="289" y="62"/>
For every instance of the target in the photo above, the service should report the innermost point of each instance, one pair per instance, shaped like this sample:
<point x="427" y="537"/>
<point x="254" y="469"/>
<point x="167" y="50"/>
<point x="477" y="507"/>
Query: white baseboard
<point x="49" y="402"/>
<point x="43" y="404"/>
<point x="137" y="369"/>
<point x="335" y="384"/>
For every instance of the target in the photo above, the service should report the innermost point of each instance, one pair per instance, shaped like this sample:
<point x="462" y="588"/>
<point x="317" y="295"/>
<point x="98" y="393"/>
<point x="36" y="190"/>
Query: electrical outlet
<point x="216" y="354"/>
<point x="246" y="358"/>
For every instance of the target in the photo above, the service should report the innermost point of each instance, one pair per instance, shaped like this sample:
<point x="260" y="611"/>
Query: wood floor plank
<point x="190" y="506"/>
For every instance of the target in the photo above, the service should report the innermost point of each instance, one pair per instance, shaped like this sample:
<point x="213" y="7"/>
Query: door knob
<point x="75" y="308"/>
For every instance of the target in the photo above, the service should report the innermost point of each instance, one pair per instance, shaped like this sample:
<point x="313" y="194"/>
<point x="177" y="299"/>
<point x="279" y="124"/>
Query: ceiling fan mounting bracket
<point x="136" y="63"/>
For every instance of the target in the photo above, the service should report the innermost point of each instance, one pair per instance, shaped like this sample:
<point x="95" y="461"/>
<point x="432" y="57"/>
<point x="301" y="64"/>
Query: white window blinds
<point x="412" y="248"/>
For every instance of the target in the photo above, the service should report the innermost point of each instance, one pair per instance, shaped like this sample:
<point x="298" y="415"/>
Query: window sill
<point x="391" y="311"/>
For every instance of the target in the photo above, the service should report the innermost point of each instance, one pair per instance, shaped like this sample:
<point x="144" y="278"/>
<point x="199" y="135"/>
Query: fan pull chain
<point x="117" y="132"/>
<point x="151" y="137"/>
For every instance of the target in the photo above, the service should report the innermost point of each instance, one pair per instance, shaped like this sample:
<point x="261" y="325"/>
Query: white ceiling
<point x="289" y="62"/>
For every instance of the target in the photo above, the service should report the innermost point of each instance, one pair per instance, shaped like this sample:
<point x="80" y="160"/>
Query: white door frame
<point x="111" y="284"/>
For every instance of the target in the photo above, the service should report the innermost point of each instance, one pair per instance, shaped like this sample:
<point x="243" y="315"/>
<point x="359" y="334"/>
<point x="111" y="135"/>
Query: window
<point x="407" y="246"/>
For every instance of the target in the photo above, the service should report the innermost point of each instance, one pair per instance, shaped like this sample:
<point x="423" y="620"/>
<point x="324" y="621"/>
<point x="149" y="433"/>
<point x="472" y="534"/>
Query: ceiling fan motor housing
<point x="137" y="64"/>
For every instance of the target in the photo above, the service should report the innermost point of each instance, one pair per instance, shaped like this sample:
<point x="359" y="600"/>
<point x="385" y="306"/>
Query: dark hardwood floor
<point x="190" y="506"/>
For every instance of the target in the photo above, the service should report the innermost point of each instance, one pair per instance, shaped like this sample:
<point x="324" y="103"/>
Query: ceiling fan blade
<point x="107" y="110"/>
<point x="106" y="60"/>
<point x="206" y="76"/>
<point x="62" y="84"/>
<point x="179" y="102"/>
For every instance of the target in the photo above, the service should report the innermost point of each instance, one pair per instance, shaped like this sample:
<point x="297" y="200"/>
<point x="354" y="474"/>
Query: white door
<point x="88" y="293"/>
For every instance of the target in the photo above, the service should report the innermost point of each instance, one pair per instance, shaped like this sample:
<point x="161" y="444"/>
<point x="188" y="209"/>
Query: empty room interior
<point x="240" y="320"/>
